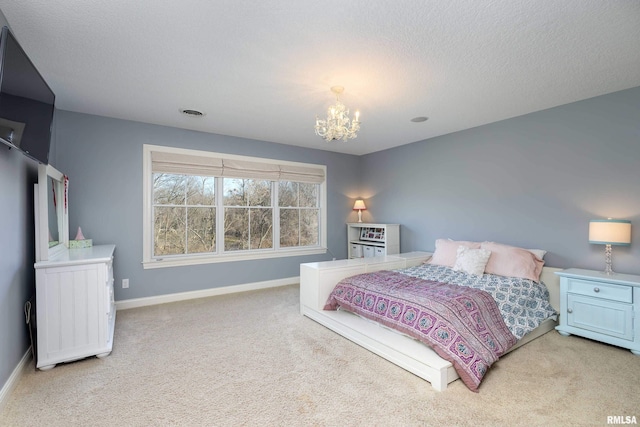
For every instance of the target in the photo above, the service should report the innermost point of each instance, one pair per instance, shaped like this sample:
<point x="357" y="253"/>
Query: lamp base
<point x="359" y="215"/>
<point x="607" y="260"/>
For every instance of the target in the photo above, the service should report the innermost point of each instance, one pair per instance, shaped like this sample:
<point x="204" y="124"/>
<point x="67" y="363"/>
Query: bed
<point x="318" y="281"/>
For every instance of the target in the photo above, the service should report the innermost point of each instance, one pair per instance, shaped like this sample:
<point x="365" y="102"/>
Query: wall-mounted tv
<point x="26" y="102"/>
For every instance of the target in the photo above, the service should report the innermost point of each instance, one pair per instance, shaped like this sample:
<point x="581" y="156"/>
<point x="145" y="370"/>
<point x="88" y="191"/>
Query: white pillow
<point x="539" y="253"/>
<point x="471" y="261"/>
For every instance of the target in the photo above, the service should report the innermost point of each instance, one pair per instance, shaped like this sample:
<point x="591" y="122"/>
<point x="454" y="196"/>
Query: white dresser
<point x="75" y="305"/>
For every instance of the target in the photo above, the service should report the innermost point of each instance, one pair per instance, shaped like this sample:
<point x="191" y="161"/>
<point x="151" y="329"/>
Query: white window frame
<point x="148" y="261"/>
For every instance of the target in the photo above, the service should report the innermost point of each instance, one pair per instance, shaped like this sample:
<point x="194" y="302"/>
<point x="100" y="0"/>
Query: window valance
<point x="165" y="162"/>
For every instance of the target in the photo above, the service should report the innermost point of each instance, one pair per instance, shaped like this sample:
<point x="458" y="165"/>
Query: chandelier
<point x="338" y="125"/>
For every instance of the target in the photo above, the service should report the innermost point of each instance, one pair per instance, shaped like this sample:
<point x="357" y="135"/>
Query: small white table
<point x="601" y="307"/>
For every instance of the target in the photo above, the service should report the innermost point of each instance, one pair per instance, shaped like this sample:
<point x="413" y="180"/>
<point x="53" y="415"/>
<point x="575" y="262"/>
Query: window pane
<point x="247" y="192"/>
<point x="289" y="234"/>
<point x="201" y="190"/>
<point x="309" y="227"/>
<point x="287" y="194"/>
<point x="201" y="230"/>
<point x="236" y="229"/>
<point x="261" y="228"/>
<point x="259" y="192"/>
<point x="169" y="189"/>
<point x="235" y="192"/>
<point x="169" y="231"/>
<point x="308" y="195"/>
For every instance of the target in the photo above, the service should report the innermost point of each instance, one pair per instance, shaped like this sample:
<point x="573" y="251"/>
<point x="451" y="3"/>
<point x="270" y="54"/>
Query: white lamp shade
<point x="359" y="205"/>
<point x="610" y="232"/>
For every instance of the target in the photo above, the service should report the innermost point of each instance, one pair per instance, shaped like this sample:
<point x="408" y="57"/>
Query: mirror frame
<point x="43" y="251"/>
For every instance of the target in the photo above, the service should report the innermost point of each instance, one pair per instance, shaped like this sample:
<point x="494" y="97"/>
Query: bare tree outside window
<point x="184" y="214"/>
<point x="248" y="214"/>
<point x="299" y="214"/>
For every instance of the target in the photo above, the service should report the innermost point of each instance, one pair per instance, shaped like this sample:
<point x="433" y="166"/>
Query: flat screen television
<point x="26" y="102"/>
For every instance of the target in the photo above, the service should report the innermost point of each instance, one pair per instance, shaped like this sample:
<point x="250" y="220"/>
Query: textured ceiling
<point x="262" y="69"/>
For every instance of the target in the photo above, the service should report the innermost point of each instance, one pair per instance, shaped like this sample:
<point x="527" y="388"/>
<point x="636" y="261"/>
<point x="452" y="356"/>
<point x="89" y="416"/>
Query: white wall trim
<point x="14" y="378"/>
<point x="181" y="296"/>
<point x="180" y="261"/>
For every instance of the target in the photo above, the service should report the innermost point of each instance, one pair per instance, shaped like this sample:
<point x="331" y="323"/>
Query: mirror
<point x="52" y="215"/>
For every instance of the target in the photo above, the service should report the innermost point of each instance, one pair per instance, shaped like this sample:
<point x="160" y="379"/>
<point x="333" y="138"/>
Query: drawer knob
<point x="596" y="290"/>
<point x="569" y="310"/>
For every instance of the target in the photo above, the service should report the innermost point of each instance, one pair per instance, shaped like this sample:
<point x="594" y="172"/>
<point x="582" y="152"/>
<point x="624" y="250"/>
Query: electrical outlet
<point x="125" y="283"/>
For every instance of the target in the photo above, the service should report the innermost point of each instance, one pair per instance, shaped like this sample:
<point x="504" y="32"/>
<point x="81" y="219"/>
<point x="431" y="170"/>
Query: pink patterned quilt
<point x="463" y="325"/>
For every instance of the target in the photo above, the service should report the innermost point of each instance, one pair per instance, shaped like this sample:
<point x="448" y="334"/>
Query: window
<point x="184" y="214"/>
<point x="203" y="207"/>
<point x="298" y="214"/>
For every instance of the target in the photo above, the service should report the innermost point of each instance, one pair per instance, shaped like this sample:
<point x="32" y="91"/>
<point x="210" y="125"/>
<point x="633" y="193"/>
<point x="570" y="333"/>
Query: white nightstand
<point x="601" y="307"/>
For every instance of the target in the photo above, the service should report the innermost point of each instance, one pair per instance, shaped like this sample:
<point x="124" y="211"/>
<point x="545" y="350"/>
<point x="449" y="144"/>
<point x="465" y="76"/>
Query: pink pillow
<point x="512" y="261"/>
<point x="447" y="251"/>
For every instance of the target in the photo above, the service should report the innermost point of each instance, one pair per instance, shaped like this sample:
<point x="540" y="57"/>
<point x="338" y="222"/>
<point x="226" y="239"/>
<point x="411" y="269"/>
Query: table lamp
<point x="359" y="206"/>
<point x="609" y="232"/>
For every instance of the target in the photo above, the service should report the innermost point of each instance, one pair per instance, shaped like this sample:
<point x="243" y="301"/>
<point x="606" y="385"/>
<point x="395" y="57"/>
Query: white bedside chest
<point x="601" y="307"/>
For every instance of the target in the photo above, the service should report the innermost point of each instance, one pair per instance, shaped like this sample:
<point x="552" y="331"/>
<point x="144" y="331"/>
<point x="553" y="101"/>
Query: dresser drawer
<point x="601" y="290"/>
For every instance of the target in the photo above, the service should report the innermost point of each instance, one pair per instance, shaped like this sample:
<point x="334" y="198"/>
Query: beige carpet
<point x="251" y="359"/>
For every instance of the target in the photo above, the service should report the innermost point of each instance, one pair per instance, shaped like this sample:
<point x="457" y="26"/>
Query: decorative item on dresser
<point x="601" y="306"/>
<point x="80" y="241"/>
<point x="369" y="240"/>
<point x="609" y="232"/>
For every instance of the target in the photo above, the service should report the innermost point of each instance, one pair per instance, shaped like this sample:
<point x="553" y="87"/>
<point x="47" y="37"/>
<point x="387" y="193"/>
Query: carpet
<point x="251" y="359"/>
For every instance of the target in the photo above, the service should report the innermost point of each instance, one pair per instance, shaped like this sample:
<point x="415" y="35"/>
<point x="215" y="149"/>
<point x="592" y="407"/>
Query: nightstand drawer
<point x="601" y="290"/>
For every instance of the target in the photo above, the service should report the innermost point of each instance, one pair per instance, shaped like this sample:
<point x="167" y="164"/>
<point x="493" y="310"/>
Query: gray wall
<point x="17" y="276"/>
<point x="103" y="159"/>
<point x="533" y="181"/>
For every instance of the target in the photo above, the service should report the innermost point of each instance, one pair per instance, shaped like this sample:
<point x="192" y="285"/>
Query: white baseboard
<point x="13" y="379"/>
<point x="162" y="299"/>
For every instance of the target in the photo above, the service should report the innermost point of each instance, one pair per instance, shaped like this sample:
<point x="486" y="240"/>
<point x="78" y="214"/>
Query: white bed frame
<point x="317" y="280"/>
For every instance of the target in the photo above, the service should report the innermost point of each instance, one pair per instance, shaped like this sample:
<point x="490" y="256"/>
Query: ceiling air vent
<point x="419" y="119"/>
<point x="191" y="113"/>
